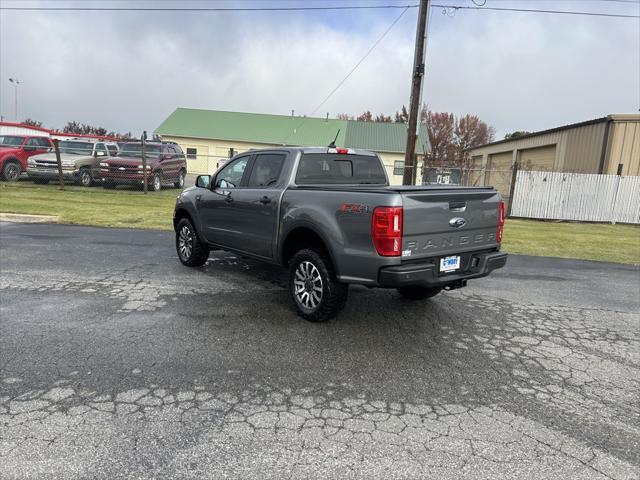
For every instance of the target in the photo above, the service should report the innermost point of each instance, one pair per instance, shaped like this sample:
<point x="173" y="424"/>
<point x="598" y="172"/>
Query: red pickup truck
<point x="15" y="151"/>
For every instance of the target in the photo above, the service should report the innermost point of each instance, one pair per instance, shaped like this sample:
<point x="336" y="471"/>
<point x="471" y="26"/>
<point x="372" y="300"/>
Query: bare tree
<point x="32" y="123"/>
<point x="365" y="117"/>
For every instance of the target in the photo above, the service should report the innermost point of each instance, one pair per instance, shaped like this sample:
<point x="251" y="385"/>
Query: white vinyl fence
<point x="576" y="196"/>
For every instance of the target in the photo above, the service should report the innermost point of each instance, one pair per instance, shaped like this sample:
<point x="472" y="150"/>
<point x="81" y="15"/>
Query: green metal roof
<point x="286" y="130"/>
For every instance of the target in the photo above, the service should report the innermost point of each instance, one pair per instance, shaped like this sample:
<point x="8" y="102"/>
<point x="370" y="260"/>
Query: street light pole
<point x="15" y="82"/>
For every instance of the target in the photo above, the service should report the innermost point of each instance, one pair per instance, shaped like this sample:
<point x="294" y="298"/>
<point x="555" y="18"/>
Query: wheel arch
<point x="303" y="236"/>
<point x="183" y="212"/>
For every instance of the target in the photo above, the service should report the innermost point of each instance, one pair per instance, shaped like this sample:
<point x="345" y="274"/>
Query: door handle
<point x="265" y="200"/>
<point x="228" y="198"/>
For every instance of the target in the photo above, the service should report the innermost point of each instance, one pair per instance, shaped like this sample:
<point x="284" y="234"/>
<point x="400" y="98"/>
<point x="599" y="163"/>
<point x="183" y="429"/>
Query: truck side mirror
<point x="29" y="148"/>
<point x="202" y="181"/>
<point x="100" y="154"/>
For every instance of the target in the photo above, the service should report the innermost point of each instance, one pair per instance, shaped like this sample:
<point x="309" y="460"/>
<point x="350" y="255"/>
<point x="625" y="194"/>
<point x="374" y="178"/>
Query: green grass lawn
<point x="123" y="207"/>
<point x="131" y="208"/>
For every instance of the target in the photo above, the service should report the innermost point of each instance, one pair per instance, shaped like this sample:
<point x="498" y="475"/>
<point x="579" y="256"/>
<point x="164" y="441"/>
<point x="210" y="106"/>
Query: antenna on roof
<point x="333" y="144"/>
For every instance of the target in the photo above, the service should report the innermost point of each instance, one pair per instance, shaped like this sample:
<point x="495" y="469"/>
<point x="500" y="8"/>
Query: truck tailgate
<point x="441" y="221"/>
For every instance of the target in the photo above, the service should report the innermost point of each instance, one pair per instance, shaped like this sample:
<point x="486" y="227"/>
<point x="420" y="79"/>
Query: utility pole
<point x="409" y="176"/>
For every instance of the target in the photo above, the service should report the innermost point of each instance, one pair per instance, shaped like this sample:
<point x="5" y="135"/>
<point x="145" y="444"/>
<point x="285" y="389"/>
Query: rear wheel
<point x="191" y="251"/>
<point x="11" y="171"/>
<point x="313" y="287"/>
<point x="417" y="292"/>
<point x="180" y="182"/>
<point x="84" y="178"/>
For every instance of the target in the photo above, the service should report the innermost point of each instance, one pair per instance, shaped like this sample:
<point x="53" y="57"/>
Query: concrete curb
<point x="24" y="218"/>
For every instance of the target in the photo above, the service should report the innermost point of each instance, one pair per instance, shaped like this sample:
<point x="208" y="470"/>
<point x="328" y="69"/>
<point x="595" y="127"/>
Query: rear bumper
<point x="426" y="274"/>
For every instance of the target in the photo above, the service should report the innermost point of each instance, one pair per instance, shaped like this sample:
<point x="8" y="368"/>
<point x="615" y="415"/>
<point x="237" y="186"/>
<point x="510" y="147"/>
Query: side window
<point x="33" y="142"/>
<point x="179" y="152"/>
<point x="101" y="148"/>
<point x="43" y="142"/>
<point x="266" y="170"/>
<point x="113" y="150"/>
<point x="192" y="153"/>
<point x="231" y="175"/>
<point x="398" y="167"/>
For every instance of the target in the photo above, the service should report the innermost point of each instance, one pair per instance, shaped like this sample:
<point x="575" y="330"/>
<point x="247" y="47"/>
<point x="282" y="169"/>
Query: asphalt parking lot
<point x="117" y="361"/>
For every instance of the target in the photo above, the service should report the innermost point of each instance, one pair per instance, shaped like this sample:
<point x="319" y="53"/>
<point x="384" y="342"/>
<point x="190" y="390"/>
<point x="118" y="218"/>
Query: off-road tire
<point x="334" y="293"/>
<point x="180" y="182"/>
<point x="11" y="171"/>
<point x="83" y="175"/>
<point x="417" y="292"/>
<point x="196" y="253"/>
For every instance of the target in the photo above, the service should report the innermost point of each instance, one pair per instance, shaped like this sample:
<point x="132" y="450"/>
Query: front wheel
<point x="191" y="251"/>
<point x="180" y="182"/>
<point x="11" y="171"/>
<point x="84" y="178"/>
<point x="417" y="292"/>
<point x="313" y="287"/>
<point x="156" y="185"/>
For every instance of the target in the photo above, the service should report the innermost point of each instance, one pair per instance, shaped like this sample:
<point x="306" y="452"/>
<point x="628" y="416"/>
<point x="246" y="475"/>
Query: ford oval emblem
<point x="457" y="222"/>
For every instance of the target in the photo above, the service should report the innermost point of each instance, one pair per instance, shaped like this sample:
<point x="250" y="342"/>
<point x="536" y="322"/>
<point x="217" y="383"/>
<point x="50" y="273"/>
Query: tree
<point x="84" y="129"/>
<point x="365" y="117"/>
<point x="402" y="116"/>
<point x="516" y="134"/>
<point x="440" y="128"/>
<point x="32" y="123"/>
<point x="383" y="118"/>
<point x="470" y="132"/>
<point x="345" y="116"/>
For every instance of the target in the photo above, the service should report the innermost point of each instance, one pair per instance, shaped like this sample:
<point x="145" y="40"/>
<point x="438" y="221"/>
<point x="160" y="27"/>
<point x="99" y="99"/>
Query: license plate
<point x="449" y="264"/>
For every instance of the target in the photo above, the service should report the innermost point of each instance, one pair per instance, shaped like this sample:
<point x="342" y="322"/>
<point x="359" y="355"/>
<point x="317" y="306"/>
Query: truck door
<point x="216" y="206"/>
<point x="255" y="206"/>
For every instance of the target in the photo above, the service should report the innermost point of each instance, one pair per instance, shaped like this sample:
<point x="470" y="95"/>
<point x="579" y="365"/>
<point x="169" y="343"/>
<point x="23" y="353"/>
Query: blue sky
<point x="128" y="71"/>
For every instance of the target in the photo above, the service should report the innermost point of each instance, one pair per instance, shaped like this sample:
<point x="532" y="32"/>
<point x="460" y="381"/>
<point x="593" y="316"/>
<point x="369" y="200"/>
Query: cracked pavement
<point x="117" y="362"/>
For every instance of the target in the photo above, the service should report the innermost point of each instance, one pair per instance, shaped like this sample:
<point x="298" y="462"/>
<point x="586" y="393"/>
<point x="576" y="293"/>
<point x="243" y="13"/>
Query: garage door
<point x="540" y="158"/>
<point x="499" y="172"/>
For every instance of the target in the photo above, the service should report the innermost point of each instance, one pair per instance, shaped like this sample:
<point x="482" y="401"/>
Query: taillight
<point x="386" y="231"/>
<point x="500" y="221"/>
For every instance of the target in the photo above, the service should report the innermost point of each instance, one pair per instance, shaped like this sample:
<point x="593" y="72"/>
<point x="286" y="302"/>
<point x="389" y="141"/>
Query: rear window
<point x="340" y="169"/>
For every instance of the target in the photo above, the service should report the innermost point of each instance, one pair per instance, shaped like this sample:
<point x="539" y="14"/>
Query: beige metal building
<point x="607" y="145"/>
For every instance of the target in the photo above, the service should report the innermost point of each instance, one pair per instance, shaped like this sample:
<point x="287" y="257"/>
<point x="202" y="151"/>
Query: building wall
<point x="623" y="148"/>
<point x="20" y="130"/>
<point x="211" y="153"/>
<point x="575" y="150"/>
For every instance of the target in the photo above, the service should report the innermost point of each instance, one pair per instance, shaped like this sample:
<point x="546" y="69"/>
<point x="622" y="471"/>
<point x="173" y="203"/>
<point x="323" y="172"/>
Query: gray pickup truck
<point x="331" y="217"/>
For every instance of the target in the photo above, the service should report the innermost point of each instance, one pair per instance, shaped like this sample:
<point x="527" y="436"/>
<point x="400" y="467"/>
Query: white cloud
<point x="129" y="71"/>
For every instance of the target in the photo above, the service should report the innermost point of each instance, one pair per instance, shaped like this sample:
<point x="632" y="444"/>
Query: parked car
<point x="79" y="158"/>
<point x="166" y="164"/>
<point x="330" y="215"/>
<point x="15" y="151"/>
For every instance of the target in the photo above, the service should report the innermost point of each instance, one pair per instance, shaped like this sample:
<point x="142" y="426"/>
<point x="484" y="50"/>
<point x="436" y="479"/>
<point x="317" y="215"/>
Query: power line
<point x="364" y="57"/>
<point x="531" y="10"/>
<point x="325" y="8"/>
<point x="211" y="9"/>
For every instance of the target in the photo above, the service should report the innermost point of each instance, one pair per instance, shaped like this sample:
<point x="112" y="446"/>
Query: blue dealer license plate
<point x="449" y="264"/>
